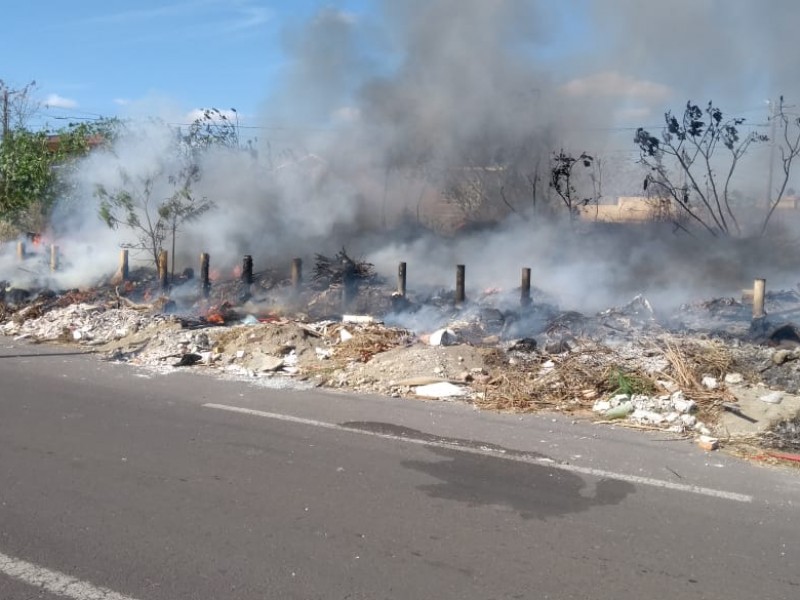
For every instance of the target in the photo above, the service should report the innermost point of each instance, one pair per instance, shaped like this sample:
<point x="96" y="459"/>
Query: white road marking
<point x="55" y="582"/>
<point x="486" y="451"/>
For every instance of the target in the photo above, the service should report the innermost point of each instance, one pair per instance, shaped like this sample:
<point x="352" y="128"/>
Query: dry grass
<point x="368" y="342"/>
<point x="574" y="382"/>
<point x="690" y="362"/>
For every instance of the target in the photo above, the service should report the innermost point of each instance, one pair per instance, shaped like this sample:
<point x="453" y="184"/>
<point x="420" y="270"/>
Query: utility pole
<point x="5" y="110"/>
<point x="773" y="115"/>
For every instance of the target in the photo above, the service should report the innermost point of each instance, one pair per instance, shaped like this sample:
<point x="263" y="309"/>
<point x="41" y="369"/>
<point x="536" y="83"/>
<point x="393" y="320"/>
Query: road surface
<point x="120" y="484"/>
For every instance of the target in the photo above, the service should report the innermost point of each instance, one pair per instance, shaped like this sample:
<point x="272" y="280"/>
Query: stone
<point x="682" y="404"/>
<point x="323" y="353"/>
<point x="601" y="406"/>
<point x="709" y="382"/>
<point x="265" y="363"/>
<point x="619" y="399"/>
<point x="734" y="378"/>
<point x="781" y="356"/>
<point x="772" y="398"/>
<point x="647" y="416"/>
<point x="707" y="443"/>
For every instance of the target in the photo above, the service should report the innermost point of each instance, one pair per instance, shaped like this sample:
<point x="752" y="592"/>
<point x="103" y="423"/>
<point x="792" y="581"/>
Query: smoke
<point x="420" y="111"/>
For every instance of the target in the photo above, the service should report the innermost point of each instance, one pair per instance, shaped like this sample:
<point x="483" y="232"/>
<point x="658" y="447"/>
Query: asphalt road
<point x="119" y="484"/>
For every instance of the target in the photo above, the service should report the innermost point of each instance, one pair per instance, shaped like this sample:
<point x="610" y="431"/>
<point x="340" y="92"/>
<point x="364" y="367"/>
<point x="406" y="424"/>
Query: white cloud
<point x="612" y="83"/>
<point x="121" y="101"/>
<point x="248" y="16"/>
<point x="56" y="101"/>
<point x="200" y="113"/>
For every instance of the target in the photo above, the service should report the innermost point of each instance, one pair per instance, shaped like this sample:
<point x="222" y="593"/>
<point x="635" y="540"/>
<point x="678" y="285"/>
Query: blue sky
<point x="101" y="57"/>
<point x="96" y="57"/>
<point x="117" y="57"/>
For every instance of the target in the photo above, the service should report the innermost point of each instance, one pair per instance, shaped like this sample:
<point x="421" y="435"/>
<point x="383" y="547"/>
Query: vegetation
<point x="562" y="180"/>
<point x="155" y="206"/>
<point x="136" y="206"/>
<point x="35" y="168"/>
<point x="693" y="161"/>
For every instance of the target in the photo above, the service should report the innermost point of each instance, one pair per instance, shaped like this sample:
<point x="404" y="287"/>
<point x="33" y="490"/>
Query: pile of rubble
<point x="703" y="372"/>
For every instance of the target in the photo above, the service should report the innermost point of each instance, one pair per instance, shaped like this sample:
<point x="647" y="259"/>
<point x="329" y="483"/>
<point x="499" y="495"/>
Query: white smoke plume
<point x="378" y="115"/>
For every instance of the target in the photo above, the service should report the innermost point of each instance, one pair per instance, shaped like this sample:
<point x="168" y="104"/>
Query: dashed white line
<point x="55" y="582"/>
<point x="485" y="451"/>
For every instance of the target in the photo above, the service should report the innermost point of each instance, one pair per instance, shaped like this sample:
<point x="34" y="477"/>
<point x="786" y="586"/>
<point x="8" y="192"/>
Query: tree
<point x="35" y="167"/>
<point x="789" y="147"/>
<point x="562" y="180"/>
<point x="134" y="204"/>
<point x="155" y="205"/>
<point x="693" y="161"/>
<point x="17" y="106"/>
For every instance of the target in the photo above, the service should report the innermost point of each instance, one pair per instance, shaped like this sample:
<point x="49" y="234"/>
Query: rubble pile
<point x="89" y="324"/>
<point x="707" y="370"/>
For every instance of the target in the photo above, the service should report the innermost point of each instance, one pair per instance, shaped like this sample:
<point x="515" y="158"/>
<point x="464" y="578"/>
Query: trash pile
<point x="705" y="372"/>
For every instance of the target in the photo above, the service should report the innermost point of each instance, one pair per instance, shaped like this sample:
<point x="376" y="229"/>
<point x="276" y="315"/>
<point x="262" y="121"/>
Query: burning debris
<point x="342" y="270"/>
<point x="688" y="373"/>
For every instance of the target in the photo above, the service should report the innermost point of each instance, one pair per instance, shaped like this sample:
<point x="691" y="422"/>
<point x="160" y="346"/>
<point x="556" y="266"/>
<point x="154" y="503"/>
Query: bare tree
<point x="562" y="180"/>
<point x="789" y="147"/>
<point x="17" y="106"/>
<point x="685" y="166"/>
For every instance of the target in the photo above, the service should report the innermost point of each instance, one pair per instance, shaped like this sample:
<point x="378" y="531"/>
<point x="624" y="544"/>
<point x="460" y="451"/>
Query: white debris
<point x="709" y="382"/>
<point x="601" y="406"/>
<point x="323" y="353"/>
<point x="619" y="399"/>
<point x="443" y="337"/>
<point x="83" y="322"/>
<point x="682" y="404"/>
<point x="734" y="378"/>
<point x="358" y="319"/>
<point x="345" y="335"/>
<point x="442" y="389"/>
<point x="772" y="398"/>
<point x="647" y="417"/>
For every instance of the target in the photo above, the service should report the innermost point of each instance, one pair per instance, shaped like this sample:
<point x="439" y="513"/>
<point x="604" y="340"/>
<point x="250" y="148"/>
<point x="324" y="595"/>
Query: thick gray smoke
<point x="434" y="112"/>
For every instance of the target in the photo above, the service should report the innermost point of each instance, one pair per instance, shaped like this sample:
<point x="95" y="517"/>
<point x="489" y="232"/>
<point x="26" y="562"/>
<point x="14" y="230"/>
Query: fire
<point x="215" y="318"/>
<point x="219" y="315"/>
<point x="35" y="238"/>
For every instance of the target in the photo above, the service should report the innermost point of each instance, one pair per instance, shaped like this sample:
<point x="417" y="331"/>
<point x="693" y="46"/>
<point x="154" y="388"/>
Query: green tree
<point x="135" y="205"/>
<point x="156" y="205"/>
<point x="35" y="167"/>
